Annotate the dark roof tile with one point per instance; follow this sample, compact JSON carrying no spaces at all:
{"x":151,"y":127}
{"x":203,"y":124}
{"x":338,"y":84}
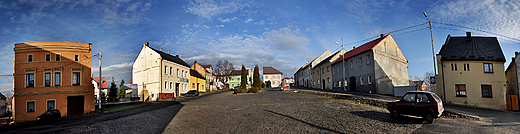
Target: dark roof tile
{"x":476,"y":48}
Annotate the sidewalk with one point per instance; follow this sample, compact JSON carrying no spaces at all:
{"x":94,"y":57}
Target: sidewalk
{"x":496,"y":117}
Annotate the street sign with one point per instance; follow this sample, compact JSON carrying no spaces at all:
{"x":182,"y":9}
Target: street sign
{"x":433,"y":80}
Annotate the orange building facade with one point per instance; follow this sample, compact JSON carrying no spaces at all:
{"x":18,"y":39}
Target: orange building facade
{"x":52,"y":75}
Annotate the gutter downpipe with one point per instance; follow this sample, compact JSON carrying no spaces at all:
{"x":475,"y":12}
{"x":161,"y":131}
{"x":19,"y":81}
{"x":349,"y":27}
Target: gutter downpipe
{"x":443,"y":84}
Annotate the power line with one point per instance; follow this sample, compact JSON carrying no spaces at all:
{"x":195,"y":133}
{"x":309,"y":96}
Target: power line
{"x":510,"y":38}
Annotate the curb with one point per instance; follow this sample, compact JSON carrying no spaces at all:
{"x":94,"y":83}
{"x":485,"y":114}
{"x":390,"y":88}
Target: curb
{"x":379,"y":103}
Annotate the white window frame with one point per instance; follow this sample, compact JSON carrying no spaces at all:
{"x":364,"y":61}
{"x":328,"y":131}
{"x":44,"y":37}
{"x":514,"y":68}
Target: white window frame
{"x":361,"y":80}
{"x":166,"y":85}
{"x":166,"y":70}
{"x":72,"y":78}
{"x":54,"y":80}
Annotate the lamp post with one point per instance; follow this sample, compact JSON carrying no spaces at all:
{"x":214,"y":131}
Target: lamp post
{"x":433,"y":48}
{"x":342,"y":64}
{"x":100,"y":81}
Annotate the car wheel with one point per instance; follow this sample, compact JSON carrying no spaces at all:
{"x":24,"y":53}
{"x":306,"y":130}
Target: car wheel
{"x":394,"y":113}
{"x":429,"y":118}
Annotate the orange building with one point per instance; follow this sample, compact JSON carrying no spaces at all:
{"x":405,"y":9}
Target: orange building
{"x":52,"y":75}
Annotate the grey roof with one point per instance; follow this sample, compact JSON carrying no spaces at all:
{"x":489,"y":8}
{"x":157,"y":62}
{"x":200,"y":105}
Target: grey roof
{"x":471,"y":48}
{"x":196,"y":74}
{"x":270,"y":70}
{"x":172,"y":58}
{"x":2,"y":96}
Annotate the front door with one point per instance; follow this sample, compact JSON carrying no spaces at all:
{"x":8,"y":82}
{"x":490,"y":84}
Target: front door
{"x":352,"y":84}
{"x":198,"y":87}
{"x":75,"y":105}
{"x":176,"y":90}
{"x":322,"y":83}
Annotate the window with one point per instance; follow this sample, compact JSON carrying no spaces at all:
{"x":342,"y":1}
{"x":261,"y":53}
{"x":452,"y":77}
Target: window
{"x":488,"y":67}
{"x":171,"y":85}
{"x":468,"y":66}
{"x":464,"y":66}
{"x":272,"y":76}
{"x":328,"y":80}
{"x":460,"y":90}
{"x":361,"y":80}
{"x":165,"y":84}
{"x":47,"y":79}
{"x":345,"y":83}
{"x":171,"y":70}
{"x":369,"y":79}
{"x":47,"y":57}
{"x":455,"y":66}
{"x":186,"y":74}
{"x":339,"y":83}
{"x":51,"y":104}
{"x":165,"y":69}
{"x":29,"y":80}
{"x":58,"y":57}
{"x":318,"y":81}
{"x":30,"y":106}
{"x":76,"y":57}
{"x":323,"y":70}
{"x":422,"y":98}
{"x":328,"y":69}
{"x":409,"y":97}
{"x":266,"y":77}
{"x":351,"y":64}
{"x":76,"y":78}
{"x":192,"y":85}
{"x":368,"y":59}
{"x":178,"y":73}
{"x":57,"y":78}
{"x":202,"y":87}
{"x":451,"y":66}
{"x":359,"y":60}
{"x":30,"y":58}
{"x":486,"y":91}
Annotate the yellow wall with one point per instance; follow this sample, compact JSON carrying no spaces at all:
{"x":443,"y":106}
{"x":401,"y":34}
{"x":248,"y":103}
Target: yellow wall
{"x":193,"y":84}
{"x":473,"y":79}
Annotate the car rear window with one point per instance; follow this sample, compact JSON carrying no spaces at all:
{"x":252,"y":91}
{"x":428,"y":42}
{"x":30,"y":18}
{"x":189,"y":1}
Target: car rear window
{"x":436,"y":97}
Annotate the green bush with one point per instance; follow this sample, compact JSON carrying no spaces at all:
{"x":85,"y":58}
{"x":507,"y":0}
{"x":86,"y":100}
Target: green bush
{"x":254,"y":90}
{"x":240,"y":90}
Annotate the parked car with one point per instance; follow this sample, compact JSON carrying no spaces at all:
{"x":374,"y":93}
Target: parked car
{"x":418,"y":103}
{"x":49,"y":115}
{"x":192,"y":93}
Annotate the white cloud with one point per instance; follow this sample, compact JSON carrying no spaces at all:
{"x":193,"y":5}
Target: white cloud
{"x":5,"y":89}
{"x":490,"y":15}
{"x":245,"y":31}
{"x":227,"y":19}
{"x":219,"y":26}
{"x":118,"y":71}
{"x":217,"y":33}
{"x":209,"y":9}
{"x":248,"y":20}
{"x":260,"y":23}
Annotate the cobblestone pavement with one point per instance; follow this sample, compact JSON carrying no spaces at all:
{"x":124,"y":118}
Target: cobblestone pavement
{"x":272,"y":111}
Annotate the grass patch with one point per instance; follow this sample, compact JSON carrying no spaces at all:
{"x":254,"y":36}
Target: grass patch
{"x":121,"y":108}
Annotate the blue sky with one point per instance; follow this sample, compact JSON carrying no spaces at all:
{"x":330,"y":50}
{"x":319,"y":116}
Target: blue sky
{"x":277,"y":33}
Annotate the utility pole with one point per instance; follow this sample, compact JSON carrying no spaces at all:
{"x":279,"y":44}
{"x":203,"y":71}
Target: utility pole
{"x":343,"y":64}
{"x":433,"y":51}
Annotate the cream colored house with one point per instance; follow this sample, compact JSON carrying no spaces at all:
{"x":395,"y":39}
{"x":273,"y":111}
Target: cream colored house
{"x":471,"y":72}
{"x":323,"y":71}
{"x":159,"y":75}
{"x":272,"y":75}
{"x":315,"y":73}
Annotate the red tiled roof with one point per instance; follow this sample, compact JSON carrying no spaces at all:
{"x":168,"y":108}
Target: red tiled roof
{"x":131,"y":81}
{"x":104,"y":85}
{"x":271,"y":70}
{"x":207,"y":66}
{"x":360,"y":49}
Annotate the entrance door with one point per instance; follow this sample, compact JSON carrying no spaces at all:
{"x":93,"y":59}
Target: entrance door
{"x":75,"y":105}
{"x":352,"y":84}
{"x":177,"y":93}
{"x":198,"y":87}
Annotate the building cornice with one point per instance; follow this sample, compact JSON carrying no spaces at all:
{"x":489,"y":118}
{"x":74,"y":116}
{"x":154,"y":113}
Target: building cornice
{"x":50,"y":47}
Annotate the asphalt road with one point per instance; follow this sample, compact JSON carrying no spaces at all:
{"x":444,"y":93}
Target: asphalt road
{"x":269,"y":111}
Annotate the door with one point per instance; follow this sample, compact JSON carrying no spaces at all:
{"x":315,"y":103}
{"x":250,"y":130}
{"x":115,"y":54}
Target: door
{"x":422,"y":104}
{"x":352,"y":84}
{"x":407,"y":103}
{"x":177,"y":93}
{"x":198,"y":87}
{"x":75,"y":105}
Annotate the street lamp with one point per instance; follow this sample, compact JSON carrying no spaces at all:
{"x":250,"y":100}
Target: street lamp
{"x":433,"y":48}
{"x":342,"y":63}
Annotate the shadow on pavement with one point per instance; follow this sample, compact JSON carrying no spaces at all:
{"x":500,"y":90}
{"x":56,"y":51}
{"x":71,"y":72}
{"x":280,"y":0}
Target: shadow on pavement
{"x":386,"y":117}
{"x":296,"y":119}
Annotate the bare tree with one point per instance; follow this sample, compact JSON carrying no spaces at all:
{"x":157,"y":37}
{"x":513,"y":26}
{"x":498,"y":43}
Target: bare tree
{"x":426,"y":79}
{"x":223,"y":69}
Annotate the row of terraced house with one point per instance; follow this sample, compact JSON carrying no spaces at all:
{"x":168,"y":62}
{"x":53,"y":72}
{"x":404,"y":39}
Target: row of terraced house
{"x":470,"y":71}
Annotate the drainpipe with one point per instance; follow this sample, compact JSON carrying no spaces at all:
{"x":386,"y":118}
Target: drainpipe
{"x":443,"y":84}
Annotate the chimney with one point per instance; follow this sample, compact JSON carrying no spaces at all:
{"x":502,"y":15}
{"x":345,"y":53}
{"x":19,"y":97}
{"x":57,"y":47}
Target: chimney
{"x":353,"y":47}
{"x":468,"y":36}
{"x":516,"y":53}
{"x":168,"y":51}
{"x":145,"y":44}
{"x":177,"y":56}
{"x":382,"y":35}
{"x":161,"y":49}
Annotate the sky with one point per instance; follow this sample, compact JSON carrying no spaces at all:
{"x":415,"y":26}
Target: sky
{"x":283,"y":34}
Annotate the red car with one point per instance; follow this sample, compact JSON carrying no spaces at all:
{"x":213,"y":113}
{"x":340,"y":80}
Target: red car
{"x":418,"y":103}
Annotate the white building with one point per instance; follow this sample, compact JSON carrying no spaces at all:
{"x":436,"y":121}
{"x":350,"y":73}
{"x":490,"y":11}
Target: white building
{"x":272,"y":75}
{"x":3,"y":105}
{"x":159,"y":75}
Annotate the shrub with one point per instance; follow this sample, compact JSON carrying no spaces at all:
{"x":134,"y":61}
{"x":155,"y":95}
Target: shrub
{"x":240,"y":90}
{"x":254,"y":90}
